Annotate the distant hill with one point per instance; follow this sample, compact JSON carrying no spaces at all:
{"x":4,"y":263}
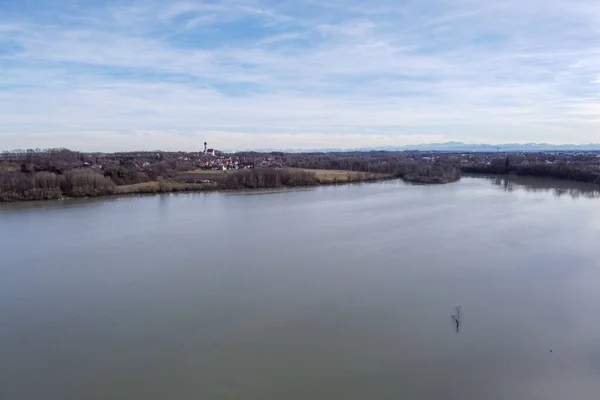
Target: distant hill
{"x":458,"y":147}
{"x":525,"y":147}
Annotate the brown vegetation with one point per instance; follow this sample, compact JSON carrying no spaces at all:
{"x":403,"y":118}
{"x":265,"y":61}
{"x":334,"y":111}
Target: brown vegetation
{"x":380,"y":163}
{"x":435,"y":173}
{"x":54,"y":173}
{"x":45,"y":185}
{"x":164,"y":187}
{"x":267,"y":178}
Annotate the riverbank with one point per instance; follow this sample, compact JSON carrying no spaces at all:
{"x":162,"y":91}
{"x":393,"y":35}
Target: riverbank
{"x":164,"y":187}
{"x":210,"y":181}
{"x":207,"y":180}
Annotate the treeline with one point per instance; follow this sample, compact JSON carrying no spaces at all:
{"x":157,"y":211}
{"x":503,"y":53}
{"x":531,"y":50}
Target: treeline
{"x":122,"y":168}
{"x":376,"y":162}
{"x":431,"y":173}
{"x":17,"y":185}
{"x":579,"y":173}
{"x":379,"y":162}
{"x":267,"y":178}
{"x":55,"y":173}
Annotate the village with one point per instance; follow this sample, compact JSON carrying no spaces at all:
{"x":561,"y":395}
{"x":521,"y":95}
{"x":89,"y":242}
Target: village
{"x":213,"y":159}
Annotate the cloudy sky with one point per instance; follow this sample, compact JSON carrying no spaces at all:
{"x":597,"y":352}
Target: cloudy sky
{"x":241,"y":74}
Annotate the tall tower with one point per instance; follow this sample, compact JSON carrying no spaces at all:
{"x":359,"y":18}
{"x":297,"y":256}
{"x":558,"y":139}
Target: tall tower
{"x":205,"y":148}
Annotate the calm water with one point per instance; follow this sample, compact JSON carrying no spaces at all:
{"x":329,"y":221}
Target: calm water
{"x":330,"y":293}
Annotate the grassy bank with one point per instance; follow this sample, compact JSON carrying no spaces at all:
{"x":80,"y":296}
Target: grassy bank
{"x":203,"y":180}
{"x":164,"y":187}
{"x":322,"y":176}
{"x":329,"y":177}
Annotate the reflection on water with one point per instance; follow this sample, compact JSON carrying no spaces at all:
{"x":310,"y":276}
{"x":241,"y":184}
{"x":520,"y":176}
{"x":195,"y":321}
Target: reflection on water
{"x":558,"y":188}
{"x":456,"y":318}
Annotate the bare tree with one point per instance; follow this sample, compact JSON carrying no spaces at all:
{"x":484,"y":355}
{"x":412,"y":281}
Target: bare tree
{"x":456,"y":317}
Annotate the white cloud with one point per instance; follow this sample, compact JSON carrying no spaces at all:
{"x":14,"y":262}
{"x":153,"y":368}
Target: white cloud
{"x":176,"y":9}
{"x":303,"y":76}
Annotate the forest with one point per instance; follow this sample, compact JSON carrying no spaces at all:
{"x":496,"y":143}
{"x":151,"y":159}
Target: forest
{"x":267,"y":178}
{"x":56,"y":173}
{"x":397,"y":165}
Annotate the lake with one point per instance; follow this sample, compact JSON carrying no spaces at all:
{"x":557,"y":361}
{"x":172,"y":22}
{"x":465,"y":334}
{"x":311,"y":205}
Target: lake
{"x":341,"y":292}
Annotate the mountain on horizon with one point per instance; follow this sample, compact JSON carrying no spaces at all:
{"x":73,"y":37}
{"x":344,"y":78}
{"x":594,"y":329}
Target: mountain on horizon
{"x":456,"y":147}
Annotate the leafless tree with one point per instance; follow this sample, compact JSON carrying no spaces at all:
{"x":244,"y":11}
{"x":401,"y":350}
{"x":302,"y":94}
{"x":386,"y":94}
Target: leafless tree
{"x":456,"y":317}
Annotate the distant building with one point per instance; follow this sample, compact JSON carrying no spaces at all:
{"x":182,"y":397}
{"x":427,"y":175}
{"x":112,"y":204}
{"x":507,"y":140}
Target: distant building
{"x":209,"y":152}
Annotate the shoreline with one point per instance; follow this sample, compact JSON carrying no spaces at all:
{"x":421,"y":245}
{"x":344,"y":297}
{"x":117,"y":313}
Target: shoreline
{"x":176,"y":187}
{"x":190,"y":188}
{"x":60,"y":173}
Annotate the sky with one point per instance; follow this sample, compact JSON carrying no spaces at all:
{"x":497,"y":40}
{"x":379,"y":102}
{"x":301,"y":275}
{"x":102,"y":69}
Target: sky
{"x":123,"y":75}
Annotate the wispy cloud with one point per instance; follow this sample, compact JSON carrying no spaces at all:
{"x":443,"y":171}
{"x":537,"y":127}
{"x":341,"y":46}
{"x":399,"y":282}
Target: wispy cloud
{"x":255,"y":73}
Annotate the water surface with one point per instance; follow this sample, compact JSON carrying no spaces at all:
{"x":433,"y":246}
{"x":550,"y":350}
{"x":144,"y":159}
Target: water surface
{"x":339,"y":292}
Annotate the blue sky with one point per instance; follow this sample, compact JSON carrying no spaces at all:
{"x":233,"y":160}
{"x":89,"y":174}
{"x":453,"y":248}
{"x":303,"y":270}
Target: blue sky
{"x":242,"y":74}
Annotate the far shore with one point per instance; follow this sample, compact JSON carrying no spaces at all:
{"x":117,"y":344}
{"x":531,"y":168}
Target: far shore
{"x":196,"y":181}
{"x":208,"y":180}
{"x":61,"y":173}
{"x":325,"y":178}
